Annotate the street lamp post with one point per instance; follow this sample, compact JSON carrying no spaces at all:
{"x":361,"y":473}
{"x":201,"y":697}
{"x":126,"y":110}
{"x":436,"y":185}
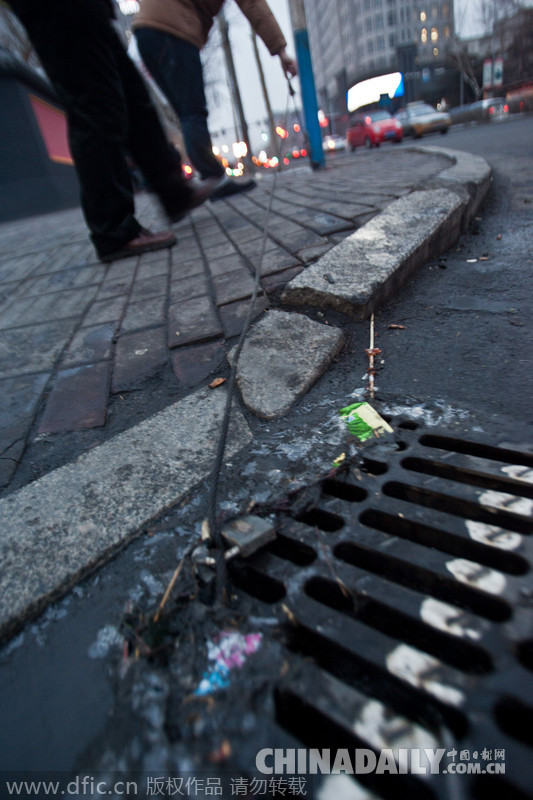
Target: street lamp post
{"x":307,"y":81}
{"x":236,"y":95}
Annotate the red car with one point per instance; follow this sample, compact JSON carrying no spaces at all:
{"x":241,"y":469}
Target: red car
{"x":372,"y":128}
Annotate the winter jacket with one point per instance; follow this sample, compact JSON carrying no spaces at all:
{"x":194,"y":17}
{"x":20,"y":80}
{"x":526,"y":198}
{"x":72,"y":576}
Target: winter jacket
{"x":191,"y":20}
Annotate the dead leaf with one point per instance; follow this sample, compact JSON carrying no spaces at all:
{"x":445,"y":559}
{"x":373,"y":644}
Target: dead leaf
{"x":217,"y":382}
{"x":222,"y":754}
{"x":289,"y":614}
{"x":338,"y":461}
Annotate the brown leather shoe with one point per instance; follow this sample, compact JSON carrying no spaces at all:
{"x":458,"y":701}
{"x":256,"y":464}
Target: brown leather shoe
{"x":200,"y":192}
{"x":145,"y":242}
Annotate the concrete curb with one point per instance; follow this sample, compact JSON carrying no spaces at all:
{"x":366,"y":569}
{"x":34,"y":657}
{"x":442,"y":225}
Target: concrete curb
{"x":362,"y":272}
{"x":468,"y":174}
{"x":57,"y":529}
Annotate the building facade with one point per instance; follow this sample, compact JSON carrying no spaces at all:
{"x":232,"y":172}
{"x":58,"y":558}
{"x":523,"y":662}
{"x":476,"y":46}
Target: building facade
{"x":352,"y":40}
{"x":37,"y":173}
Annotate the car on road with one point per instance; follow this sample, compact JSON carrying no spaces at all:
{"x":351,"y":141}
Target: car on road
{"x":371,"y":128}
{"x":333,"y":142}
{"x":420,"y":118}
{"x":489,"y":109}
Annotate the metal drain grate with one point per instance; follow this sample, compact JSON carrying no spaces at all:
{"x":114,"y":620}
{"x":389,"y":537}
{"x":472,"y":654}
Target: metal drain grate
{"x":408,"y":580}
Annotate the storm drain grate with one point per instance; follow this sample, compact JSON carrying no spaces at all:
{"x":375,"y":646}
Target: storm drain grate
{"x":407,"y":580}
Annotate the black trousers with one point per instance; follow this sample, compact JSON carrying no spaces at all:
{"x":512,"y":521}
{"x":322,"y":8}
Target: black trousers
{"x":110,"y":115}
{"x":176,"y":67}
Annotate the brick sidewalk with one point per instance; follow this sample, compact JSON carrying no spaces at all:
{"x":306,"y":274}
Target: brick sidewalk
{"x":73,"y":332}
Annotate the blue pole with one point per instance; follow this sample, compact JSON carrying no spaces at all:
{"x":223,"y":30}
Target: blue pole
{"x":307,"y":83}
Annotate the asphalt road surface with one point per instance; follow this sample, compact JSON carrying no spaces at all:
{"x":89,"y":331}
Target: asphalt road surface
{"x":468,"y":337}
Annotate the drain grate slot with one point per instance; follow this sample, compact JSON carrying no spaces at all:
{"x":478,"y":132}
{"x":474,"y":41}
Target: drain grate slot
{"x":524,"y":652}
{"x":292,"y":550}
{"x":470,"y":476}
{"x":467,"y":509}
{"x":486,"y":787}
{"x":515,"y":718}
{"x":321,"y":519}
{"x":476,"y":449}
{"x":257,"y":584}
{"x":373,"y":466}
{"x":357,"y":671}
{"x":344,"y":490}
{"x":423,"y":580}
{"x":381,"y":617}
{"x":317,"y":729}
{"x":444,"y":541}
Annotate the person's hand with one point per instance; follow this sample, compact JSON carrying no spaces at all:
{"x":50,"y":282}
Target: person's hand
{"x":288,"y":64}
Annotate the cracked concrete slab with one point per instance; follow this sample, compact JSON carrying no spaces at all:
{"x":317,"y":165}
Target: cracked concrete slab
{"x":366,"y":268}
{"x":282,"y":357}
{"x":64,"y":524}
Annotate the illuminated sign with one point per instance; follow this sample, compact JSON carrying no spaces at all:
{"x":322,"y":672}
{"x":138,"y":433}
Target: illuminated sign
{"x":128,"y":6}
{"x":370,"y":91}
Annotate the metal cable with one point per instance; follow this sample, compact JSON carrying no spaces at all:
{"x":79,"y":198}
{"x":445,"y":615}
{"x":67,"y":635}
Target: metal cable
{"x":212,"y":521}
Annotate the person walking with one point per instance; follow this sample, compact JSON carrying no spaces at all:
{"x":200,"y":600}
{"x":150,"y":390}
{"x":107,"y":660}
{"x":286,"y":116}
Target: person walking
{"x":110,"y":115}
{"x":170,"y":35}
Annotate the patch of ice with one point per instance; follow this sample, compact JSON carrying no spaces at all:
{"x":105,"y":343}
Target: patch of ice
{"x":106,"y":638}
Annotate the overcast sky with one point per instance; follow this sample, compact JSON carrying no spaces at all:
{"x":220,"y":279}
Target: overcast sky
{"x":467,"y":20}
{"x":247,"y":74}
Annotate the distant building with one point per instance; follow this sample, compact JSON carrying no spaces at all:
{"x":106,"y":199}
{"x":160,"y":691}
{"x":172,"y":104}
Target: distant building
{"x":352,"y":40}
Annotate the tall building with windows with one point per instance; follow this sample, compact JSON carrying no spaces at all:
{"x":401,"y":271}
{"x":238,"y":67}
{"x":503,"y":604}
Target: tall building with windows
{"x":356,"y":39}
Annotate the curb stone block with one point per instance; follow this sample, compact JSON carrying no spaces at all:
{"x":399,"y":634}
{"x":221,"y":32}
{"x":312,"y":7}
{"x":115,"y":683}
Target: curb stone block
{"x":466,"y":171}
{"x":369,"y":265}
{"x":282,"y":357}
{"x":86,"y":510}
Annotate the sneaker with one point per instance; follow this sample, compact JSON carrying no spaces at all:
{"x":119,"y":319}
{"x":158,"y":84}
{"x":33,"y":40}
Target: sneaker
{"x":227,"y":187}
{"x":145,"y":242}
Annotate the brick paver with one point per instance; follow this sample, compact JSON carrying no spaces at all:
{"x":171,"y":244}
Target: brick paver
{"x":78,"y":399}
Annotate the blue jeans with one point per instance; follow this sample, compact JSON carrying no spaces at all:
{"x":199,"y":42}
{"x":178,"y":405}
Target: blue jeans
{"x":176,"y":67}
